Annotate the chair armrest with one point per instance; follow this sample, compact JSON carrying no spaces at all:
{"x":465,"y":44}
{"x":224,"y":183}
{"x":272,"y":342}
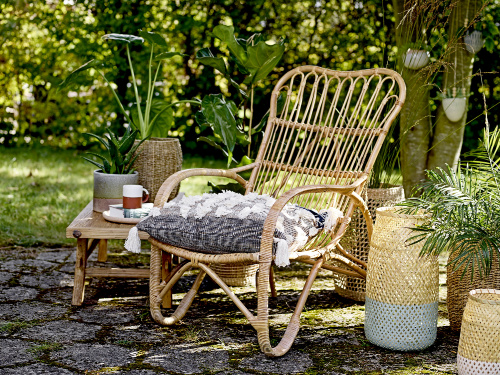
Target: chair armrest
{"x":175,"y":179}
{"x":266,"y":246}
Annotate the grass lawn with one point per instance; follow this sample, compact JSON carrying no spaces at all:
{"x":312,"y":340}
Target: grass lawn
{"x":42,"y":190}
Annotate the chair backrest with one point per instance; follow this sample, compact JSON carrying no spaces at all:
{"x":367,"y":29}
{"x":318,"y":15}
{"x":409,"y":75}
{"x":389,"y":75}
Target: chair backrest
{"x":325,"y":127}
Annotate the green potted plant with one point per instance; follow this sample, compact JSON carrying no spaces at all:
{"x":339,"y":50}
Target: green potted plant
{"x":151,"y":116}
{"x":465,"y":221}
{"x":115,"y":168}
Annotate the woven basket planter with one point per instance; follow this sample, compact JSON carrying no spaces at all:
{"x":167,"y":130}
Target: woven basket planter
{"x":158,"y":159}
{"x":402,"y":288}
{"x":479,"y":346}
{"x":236,"y":274}
{"x":459,"y":288}
{"x":356,"y":240}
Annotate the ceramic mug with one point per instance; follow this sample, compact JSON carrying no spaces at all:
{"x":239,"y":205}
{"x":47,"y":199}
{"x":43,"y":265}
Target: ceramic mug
{"x":134,"y":196}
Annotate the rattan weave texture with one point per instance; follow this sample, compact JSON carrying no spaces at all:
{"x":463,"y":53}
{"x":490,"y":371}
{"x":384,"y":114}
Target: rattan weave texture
{"x":158,"y":159}
{"x":402,"y":288}
{"x":479,"y":346}
{"x":356,"y":239}
{"x":459,"y":288}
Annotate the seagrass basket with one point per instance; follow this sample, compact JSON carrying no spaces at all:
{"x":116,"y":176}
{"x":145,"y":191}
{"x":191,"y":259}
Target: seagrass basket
{"x":402,"y":288}
{"x":479,"y":346}
{"x":459,"y":288}
{"x":236,"y":274}
{"x":158,"y":159}
{"x":356,"y":239}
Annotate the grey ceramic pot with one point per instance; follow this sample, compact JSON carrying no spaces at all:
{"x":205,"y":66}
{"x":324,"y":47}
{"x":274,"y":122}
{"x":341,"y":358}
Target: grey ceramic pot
{"x":108,"y":188}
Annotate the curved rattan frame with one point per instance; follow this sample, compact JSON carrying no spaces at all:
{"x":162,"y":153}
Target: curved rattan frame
{"x":346,"y":176}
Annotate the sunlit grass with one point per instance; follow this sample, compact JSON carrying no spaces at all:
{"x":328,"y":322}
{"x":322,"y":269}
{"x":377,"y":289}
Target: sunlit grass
{"x":42,"y":190}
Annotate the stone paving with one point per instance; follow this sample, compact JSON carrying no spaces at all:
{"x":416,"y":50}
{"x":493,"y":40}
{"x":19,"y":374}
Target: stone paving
{"x":112,"y":332}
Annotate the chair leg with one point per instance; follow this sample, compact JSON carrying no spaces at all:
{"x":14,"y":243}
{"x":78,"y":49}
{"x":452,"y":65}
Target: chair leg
{"x":262,"y":323}
{"x":274,"y":294}
{"x":158,"y":289}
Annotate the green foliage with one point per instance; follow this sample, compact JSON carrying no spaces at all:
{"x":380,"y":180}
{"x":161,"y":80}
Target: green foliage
{"x":155,"y":117}
{"x":120,"y":153}
{"x":254,"y":58}
{"x":465,"y":208}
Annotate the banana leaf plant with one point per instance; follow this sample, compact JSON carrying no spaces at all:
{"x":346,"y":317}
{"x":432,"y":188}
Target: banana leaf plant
{"x":253,"y":58}
{"x":151,"y":116}
{"x":120,"y":153}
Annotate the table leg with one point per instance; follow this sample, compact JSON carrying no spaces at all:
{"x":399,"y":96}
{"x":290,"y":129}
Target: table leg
{"x":102,"y":254}
{"x":166,"y":268}
{"x":80,"y":264}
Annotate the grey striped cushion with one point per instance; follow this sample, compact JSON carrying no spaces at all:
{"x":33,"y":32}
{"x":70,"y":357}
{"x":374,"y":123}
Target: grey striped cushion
{"x":228,"y":223}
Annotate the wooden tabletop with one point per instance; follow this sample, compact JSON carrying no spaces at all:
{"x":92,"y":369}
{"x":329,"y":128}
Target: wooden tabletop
{"x":91,"y":224}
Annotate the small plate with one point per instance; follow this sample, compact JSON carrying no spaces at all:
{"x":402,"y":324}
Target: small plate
{"x":121,"y":220}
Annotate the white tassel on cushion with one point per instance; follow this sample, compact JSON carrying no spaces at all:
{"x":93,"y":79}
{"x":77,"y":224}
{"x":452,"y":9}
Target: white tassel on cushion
{"x":133,"y":242}
{"x":155,"y":211}
{"x":282,"y":258}
{"x":332,"y":218}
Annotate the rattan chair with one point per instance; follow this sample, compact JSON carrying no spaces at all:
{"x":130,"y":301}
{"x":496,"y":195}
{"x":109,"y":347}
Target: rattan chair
{"x":317,"y":152}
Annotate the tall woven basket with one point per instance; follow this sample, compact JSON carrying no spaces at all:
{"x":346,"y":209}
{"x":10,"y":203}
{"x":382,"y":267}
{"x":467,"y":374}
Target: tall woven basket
{"x":158,"y":159}
{"x":356,"y":240}
{"x":402,"y":288}
{"x":459,"y":288}
{"x":479,"y":346}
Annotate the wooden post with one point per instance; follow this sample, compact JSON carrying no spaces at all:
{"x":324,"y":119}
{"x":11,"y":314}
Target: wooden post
{"x":166,"y":268}
{"x":272,"y":283}
{"x":80,"y":264}
{"x":102,"y":254}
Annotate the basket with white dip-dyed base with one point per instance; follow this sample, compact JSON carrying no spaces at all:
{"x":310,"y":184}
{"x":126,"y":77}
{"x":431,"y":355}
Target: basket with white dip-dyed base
{"x":402,"y":288}
{"x":479,"y":347}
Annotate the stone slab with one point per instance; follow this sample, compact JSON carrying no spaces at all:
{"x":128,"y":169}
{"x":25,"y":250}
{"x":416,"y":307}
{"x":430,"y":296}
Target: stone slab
{"x":189,"y":360}
{"x":291,"y":363}
{"x":5,"y":277}
{"x":136,"y":333}
{"x":87,"y":357}
{"x":108,"y":315}
{"x":27,"y":311}
{"x":13,"y":352}
{"x":58,"y":256}
{"x":61,"y":331}
{"x":26,"y":265}
{"x":54,"y":279}
{"x":36,"y":369}
{"x":17,"y":293}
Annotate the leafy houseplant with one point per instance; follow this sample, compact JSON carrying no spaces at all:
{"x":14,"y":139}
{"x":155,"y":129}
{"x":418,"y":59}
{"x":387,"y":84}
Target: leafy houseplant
{"x":465,"y":208}
{"x":151,"y":116}
{"x":115,"y":168}
{"x":253,"y":58}
{"x":121,"y":153}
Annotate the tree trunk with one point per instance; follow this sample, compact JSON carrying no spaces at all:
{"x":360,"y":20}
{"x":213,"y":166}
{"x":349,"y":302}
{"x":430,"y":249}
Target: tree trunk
{"x":448,"y":135}
{"x":415,"y":119}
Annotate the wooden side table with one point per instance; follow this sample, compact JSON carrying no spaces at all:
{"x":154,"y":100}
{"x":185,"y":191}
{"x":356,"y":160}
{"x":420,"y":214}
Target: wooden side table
{"x":91,"y":231}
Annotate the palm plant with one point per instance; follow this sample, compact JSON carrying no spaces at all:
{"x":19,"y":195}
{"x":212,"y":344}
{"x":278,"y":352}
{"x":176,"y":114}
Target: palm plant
{"x":465,"y":208}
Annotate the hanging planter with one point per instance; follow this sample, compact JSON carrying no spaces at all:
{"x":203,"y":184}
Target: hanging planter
{"x":415,"y":59}
{"x":473,"y":42}
{"x":454,"y":108}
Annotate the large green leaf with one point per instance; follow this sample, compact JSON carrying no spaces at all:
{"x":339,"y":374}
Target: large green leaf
{"x":95,"y":63}
{"x":219,"y":114}
{"x":226,"y":34}
{"x":153,"y":38}
{"x":162,"y":116}
{"x":123,"y":38}
{"x":207,"y":58}
{"x":262,"y":58}
{"x":167,"y":55}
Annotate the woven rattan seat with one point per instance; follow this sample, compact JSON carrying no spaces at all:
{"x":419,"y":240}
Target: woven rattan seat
{"x":317,"y":153}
